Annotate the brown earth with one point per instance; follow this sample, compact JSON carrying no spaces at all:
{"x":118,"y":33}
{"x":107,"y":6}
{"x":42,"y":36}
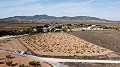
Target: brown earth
{"x":77,"y":64}
{"x":63,"y":44}
{"x":12,"y":44}
{"x":17,"y":60}
{"x":18,"y":26}
{"x":21,"y":26}
{"x":56,"y":44}
{"x":107,"y":39}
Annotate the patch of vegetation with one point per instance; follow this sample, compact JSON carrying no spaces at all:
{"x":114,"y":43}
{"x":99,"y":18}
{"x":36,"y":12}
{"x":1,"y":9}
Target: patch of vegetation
{"x":9,"y":63}
{"x":33,"y":30}
{"x":82,"y":30}
{"x":21,"y":65}
{"x":33,"y":63}
{"x":8,"y":56}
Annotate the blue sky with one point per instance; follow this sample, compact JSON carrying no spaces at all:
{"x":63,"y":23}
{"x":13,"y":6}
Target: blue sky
{"x":108,"y":9}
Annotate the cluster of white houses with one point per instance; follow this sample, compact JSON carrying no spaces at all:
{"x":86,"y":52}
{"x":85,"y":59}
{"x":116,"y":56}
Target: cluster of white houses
{"x":93,"y":27}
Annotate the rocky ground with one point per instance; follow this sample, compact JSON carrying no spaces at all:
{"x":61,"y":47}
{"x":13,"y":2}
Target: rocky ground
{"x":18,"y":60}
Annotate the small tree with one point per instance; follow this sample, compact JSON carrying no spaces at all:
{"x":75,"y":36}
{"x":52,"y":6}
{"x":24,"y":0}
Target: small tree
{"x":33,"y":63}
{"x":30,"y":30}
{"x":8,"y":56}
{"x":9,"y":63}
{"x":52,"y":29}
{"x":21,"y":65}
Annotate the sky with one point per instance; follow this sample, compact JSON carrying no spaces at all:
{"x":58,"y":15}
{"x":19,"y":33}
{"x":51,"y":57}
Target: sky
{"x":105,"y":9}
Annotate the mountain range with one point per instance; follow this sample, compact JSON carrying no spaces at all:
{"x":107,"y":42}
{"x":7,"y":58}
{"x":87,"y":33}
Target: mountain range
{"x":46,"y":17}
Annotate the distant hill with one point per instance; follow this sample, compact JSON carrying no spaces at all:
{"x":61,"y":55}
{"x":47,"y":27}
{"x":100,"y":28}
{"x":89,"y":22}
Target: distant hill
{"x":46,"y":17}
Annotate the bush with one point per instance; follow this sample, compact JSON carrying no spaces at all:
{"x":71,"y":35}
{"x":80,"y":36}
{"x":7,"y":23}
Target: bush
{"x":82,"y":30}
{"x":8,"y":56}
{"x":9,"y":63}
{"x":33,"y":63}
{"x":1,"y":62}
{"x":21,"y":65}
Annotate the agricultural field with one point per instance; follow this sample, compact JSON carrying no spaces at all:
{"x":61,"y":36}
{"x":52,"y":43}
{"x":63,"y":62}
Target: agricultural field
{"x":73,"y":44}
{"x":18,"y":26}
{"x":63,"y":44}
{"x":12,"y":44}
{"x":11,"y":60}
{"x":108,"y":39}
{"x":107,"y":24}
{"x":21,"y":26}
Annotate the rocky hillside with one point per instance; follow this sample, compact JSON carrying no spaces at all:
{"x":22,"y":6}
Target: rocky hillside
{"x":46,"y":17}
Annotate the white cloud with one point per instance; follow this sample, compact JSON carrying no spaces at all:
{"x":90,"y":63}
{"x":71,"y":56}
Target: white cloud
{"x":70,"y":8}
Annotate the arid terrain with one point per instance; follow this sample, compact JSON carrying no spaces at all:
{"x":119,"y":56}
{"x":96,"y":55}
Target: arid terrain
{"x":21,"y":26}
{"x":55,"y":44}
{"x":107,"y":39}
{"x":78,"y":64}
{"x":18,"y":60}
{"x":12,"y":44}
{"x":62,"y":44}
{"x":17,"y":26}
{"x":59,"y":33}
{"x":86,"y":45}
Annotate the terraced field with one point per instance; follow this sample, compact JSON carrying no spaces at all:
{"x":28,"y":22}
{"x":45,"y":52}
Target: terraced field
{"x":62,"y":44}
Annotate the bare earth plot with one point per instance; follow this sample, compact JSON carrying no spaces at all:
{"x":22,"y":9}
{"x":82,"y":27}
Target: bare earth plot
{"x":63,"y":44}
{"x":106,"y":39}
{"x":12,"y":44}
{"x":77,"y":64}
